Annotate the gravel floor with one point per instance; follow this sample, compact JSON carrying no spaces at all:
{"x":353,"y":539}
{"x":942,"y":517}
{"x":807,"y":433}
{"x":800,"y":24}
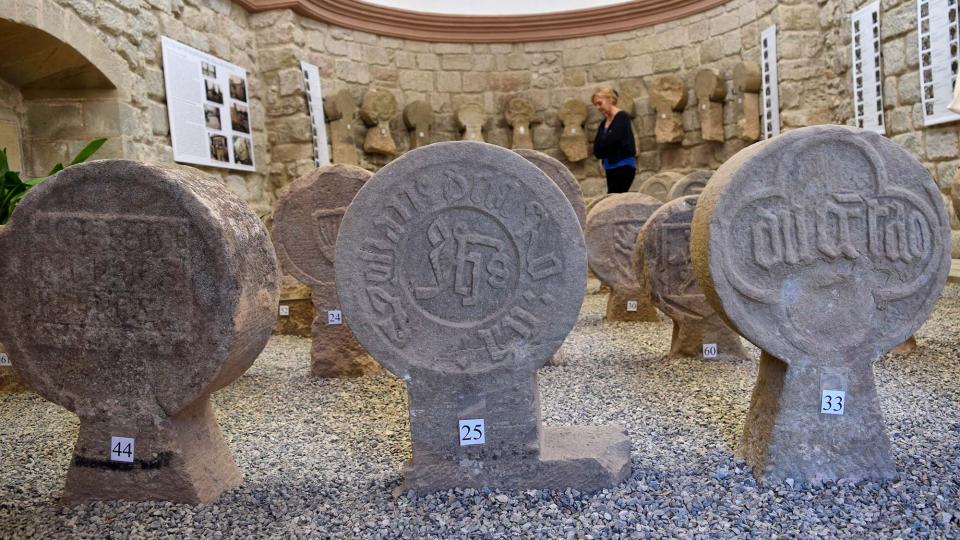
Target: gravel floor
{"x":322,"y":457}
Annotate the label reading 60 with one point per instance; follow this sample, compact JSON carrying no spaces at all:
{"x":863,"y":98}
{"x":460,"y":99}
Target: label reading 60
{"x":710,"y":350}
{"x":832,"y":401}
{"x":472,"y":432}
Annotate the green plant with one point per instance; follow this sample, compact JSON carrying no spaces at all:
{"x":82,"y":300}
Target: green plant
{"x":13,"y":188}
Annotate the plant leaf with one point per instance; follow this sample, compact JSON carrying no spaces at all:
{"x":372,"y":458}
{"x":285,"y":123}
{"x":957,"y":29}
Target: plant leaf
{"x":4,"y":166}
{"x":56,"y":168}
{"x":88,"y":151}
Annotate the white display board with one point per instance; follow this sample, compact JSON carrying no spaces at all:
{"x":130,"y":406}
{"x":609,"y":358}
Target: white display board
{"x":938,"y":44}
{"x":311,"y":87}
{"x":771,"y":86}
{"x":208,"y":106}
{"x":867,"y":80}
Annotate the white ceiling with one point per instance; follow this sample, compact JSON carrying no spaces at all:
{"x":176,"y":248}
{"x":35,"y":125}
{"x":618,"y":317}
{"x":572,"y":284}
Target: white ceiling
{"x":492,"y":7}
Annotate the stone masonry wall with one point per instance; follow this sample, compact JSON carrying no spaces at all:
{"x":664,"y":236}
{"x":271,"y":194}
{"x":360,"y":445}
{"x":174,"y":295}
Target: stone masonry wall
{"x":938,"y":147}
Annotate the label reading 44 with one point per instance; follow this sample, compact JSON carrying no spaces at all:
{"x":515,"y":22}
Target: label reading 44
{"x":472,"y":432}
{"x":334,"y":317}
{"x":832,"y":401}
{"x":121,"y":449}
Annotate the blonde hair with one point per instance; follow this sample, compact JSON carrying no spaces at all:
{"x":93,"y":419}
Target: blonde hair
{"x":606,"y":92}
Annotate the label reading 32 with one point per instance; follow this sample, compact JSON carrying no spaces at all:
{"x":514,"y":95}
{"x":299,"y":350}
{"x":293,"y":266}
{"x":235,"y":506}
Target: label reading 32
{"x":472,"y":432}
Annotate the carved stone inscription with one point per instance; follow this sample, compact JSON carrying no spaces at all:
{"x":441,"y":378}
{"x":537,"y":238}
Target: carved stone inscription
{"x":466,"y":280}
{"x":663,"y":256}
{"x":826,"y":247}
{"x":125,"y":280}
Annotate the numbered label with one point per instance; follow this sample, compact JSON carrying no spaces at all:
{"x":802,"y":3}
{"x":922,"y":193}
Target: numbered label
{"x":284,"y":311}
{"x":121,"y":449}
{"x":709,"y":350}
{"x":833,"y":401}
{"x":631,"y":305}
{"x":334,"y":317}
{"x":472,"y":432}
{"x":4,"y":360}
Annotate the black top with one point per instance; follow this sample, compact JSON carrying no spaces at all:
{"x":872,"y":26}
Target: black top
{"x":616,"y":143}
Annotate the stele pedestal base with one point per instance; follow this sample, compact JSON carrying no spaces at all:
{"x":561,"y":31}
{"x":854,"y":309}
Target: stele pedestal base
{"x":617,"y":306}
{"x":787,"y":436}
{"x":183,"y":459}
{"x":335,"y":352}
{"x":689,"y":338}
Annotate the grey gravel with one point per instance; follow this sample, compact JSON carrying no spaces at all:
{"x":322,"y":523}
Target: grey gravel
{"x":322,"y":457}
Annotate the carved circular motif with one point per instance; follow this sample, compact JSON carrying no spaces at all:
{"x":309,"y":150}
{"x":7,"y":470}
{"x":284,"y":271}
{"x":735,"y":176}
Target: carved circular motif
{"x":826,"y":244}
{"x":140,"y":281}
{"x":611,"y":234}
{"x":460,"y":257}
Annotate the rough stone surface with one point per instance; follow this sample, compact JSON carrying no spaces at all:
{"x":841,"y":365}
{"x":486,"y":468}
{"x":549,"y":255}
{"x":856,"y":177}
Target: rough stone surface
{"x":305,"y":226}
{"x":519,"y":114}
{"x":908,"y":346}
{"x":611,"y":234}
{"x":662,"y":256}
{"x":668,"y":97}
{"x":468,"y":283}
{"x":296,"y":297}
{"x":659,"y":185}
{"x":379,"y":107}
{"x":711,"y":90}
{"x":340,"y":110}
{"x":573,"y":140}
{"x":691,"y":184}
{"x":148,"y":288}
{"x":471,"y":118}
{"x":746,"y":86}
{"x":418,"y":117}
{"x":826,"y":247}
{"x":563,"y":178}
{"x":10,"y":380}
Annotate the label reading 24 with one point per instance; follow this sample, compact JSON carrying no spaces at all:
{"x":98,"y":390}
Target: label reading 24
{"x":334,"y":316}
{"x":832,"y":401}
{"x":121,"y":449}
{"x":4,"y":360}
{"x":472,"y":432}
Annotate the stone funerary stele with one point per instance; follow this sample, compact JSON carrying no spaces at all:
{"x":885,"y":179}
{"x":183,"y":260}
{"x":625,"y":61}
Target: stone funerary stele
{"x":826,"y":247}
{"x":462,"y":268}
{"x":146,"y":289}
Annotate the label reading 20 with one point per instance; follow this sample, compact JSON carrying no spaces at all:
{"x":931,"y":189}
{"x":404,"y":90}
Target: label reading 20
{"x":832,"y":401}
{"x":631,"y":305}
{"x":472,"y":432}
{"x":121,"y":449}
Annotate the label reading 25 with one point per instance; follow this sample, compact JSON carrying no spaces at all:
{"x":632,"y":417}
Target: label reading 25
{"x":472,"y":432}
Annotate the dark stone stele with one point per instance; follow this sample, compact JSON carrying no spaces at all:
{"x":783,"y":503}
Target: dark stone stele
{"x":826,"y":247}
{"x":462,"y":268}
{"x":662,"y":255}
{"x":611,"y":234}
{"x":305,"y":225}
{"x":562,"y":177}
{"x":145,"y":288}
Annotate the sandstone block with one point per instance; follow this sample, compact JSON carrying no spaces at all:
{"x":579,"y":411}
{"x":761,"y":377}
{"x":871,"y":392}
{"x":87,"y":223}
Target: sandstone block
{"x":378,"y":109}
{"x":519,"y":114}
{"x":418,"y":117}
{"x":573,"y":141}
{"x":340,"y":110}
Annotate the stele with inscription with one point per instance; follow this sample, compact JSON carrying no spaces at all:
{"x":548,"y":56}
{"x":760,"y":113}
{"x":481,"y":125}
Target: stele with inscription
{"x":690,"y":184}
{"x":612,"y":228}
{"x":462,"y":269}
{"x":563,"y":178}
{"x":306,"y":221}
{"x":825,"y":247}
{"x":147,"y":288}
{"x":659,"y":185}
{"x":662,"y":255}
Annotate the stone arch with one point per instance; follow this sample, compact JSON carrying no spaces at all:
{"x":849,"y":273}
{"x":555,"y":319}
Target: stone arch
{"x":61,"y":86}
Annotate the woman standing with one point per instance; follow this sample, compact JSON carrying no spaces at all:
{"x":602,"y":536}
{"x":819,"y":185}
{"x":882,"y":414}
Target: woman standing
{"x":614,"y":144}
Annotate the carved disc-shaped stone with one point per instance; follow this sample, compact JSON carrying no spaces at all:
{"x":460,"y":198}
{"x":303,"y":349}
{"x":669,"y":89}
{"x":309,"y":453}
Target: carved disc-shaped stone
{"x":691,"y":184}
{"x":340,"y":105}
{"x":562,"y":177}
{"x":307,"y":219}
{"x":460,"y":258}
{"x":470,"y":118}
{"x":826,"y":244}
{"x":573,"y":112}
{"x":658,"y":186}
{"x":663,"y":252}
{"x":519,"y":111}
{"x":379,"y":106}
{"x":746,"y":77}
{"x":150,"y":286}
{"x":668,"y":94}
{"x":709,"y":86}
{"x":417,"y":114}
{"x":611,"y":233}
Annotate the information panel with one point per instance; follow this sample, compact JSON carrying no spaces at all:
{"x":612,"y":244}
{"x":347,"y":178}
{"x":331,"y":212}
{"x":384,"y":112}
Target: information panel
{"x":311,"y":85}
{"x":208,"y":106}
